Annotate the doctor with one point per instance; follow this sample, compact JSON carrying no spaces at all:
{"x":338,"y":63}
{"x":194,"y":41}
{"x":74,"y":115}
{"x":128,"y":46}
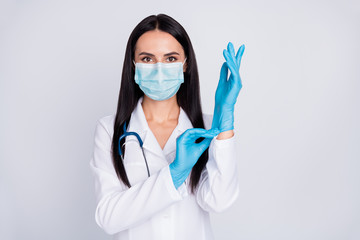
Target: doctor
{"x":166,"y":188}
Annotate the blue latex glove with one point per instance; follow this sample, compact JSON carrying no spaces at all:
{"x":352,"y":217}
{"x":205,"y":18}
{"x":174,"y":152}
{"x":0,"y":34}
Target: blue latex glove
{"x":188,"y":152}
{"x":227,"y":89}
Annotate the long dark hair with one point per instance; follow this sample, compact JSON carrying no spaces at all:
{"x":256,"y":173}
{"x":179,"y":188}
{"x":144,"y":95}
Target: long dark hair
{"x":188,"y":96}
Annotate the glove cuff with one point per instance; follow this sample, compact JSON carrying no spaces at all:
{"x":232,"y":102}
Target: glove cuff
{"x":224,"y":118}
{"x":177,"y":176}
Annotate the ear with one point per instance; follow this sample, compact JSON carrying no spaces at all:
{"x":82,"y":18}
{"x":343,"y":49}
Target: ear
{"x":133,"y":65}
{"x":185,"y":67}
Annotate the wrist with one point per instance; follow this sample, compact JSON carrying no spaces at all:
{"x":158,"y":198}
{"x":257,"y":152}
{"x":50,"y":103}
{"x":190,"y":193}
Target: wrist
{"x":178,"y":176}
{"x":226,"y":121}
{"x":225,"y":135}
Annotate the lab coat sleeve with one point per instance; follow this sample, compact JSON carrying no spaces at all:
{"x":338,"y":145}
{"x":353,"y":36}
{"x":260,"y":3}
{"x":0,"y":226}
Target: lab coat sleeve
{"x":219,"y":183}
{"x":119,"y":207}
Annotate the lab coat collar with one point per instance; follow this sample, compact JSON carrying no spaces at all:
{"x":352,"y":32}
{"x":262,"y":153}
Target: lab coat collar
{"x":139,"y":125}
{"x":184,"y":122}
{"x":138,"y":121}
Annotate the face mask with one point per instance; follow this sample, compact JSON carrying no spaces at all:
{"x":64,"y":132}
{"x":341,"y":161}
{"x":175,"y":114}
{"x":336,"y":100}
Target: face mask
{"x":159,"y":81}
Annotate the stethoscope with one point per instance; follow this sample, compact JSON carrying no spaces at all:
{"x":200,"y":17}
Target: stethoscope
{"x":125,"y":134}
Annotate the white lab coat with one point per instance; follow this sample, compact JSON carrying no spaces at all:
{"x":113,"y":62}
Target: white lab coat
{"x":153,"y":208}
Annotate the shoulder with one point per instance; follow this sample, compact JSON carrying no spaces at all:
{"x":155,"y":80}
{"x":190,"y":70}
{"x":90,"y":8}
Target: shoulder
{"x":106,"y":123}
{"x":207,"y":120}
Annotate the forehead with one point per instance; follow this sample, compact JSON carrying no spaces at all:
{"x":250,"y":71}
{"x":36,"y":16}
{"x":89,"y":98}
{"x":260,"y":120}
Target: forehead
{"x":157,"y":42}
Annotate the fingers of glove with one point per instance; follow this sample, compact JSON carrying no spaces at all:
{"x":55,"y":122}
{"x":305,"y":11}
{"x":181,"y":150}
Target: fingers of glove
{"x":196,"y":133}
{"x":223,"y":73}
{"x":231,"y":50}
{"x":231,"y":62}
{"x":233,"y":70}
{"x":239,"y":54}
{"x":229,"y":59}
{"x":203,"y":145}
{"x":192,"y":134}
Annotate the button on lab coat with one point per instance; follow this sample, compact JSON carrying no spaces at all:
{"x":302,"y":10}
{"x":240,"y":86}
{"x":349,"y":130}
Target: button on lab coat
{"x":153,"y":208}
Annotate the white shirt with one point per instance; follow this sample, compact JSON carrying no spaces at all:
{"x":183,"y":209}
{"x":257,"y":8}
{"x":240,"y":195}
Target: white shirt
{"x":153,"y":208}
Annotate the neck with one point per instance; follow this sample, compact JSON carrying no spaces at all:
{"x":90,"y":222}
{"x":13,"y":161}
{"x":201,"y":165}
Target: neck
{"x":160,"y":111}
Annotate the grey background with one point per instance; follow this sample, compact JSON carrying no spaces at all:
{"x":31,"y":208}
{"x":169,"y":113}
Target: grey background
{"x":296,"y":117}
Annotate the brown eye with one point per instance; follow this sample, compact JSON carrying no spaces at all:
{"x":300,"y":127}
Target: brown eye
{"x":171,"y":59}
{"x":146,"y":59}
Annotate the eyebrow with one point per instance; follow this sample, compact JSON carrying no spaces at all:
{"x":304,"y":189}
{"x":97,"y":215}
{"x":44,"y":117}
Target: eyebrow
{"x":152,"y":55}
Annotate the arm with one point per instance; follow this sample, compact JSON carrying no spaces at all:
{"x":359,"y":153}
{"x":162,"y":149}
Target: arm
{"x":119,"y":207}
{"x":227,"y":90}
{"x":219,"y":183}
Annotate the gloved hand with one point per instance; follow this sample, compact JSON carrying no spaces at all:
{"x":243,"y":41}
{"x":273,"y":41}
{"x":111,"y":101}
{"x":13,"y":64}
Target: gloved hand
{"x":227,"y":89}
{"x":188,"y":152}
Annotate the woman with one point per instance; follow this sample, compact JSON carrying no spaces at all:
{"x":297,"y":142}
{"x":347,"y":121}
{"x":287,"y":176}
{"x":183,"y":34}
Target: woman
{"x":166,"y":188}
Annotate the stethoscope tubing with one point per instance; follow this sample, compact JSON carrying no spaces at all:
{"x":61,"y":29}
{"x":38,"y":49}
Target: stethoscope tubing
{"x":125,"y":134}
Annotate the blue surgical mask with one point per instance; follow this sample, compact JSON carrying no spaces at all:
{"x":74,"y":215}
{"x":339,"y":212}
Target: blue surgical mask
{"x":159,"y":81}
